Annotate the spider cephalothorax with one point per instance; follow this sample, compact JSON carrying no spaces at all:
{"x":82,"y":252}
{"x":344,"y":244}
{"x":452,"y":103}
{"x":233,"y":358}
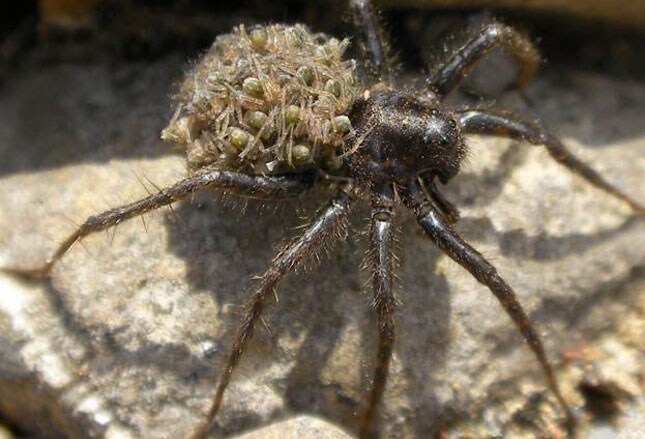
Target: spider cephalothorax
{"x":271,"y":112}
{"x":399,"y":136}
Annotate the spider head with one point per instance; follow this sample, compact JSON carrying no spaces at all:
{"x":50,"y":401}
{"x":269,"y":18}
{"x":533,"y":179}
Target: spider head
{"x":398,"y":136}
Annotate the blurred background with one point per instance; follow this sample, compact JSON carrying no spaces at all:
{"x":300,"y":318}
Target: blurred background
{"x":598,"y":34}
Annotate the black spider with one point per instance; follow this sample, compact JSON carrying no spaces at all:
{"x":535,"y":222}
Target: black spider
{"x":276,"y":132}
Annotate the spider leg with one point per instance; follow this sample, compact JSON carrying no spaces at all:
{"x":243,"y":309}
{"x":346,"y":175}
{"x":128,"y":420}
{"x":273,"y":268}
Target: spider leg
{"x":457,"y":67}
{"x":374,"y":43}
{"x":382,"y":266}
{"x":505,"y":124}
{"x":253,"y":186}
{"x":449,"y":211}
{"x":442,"y":235}
{"x":324,"y":227}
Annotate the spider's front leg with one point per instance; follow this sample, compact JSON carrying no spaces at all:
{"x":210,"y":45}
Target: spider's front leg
{"x":459,"y":64}
{"x":326,"y":226}
{"x":382,"y":271}
{"x":251,"y":186}
{"x":442,"y":235}
{"x":506,"y":124}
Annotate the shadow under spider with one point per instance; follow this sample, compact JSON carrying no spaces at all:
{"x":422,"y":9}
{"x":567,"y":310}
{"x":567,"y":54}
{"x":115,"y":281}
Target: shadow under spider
{"x":224,"y":248}
{"x":571,"y":310}
{"x":542,"y":247}
{"x":318,"y":305}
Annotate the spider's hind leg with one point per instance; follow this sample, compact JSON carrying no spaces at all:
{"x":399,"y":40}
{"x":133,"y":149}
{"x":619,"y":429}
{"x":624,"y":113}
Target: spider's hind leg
{"x":459,"y":64}
{"x":442,"y":235}
{"x":506,"y":124}
{"x":324,"y":227}
{"x":252,"y":186}
{"x":382,"y":266}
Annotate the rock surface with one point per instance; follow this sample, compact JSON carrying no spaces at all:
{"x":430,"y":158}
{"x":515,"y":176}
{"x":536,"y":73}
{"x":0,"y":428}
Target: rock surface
{"x":125,"y":338}
{"x":296,"y":428}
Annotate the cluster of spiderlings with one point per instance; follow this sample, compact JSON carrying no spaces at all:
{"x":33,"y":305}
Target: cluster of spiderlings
{"x":266,"y":100}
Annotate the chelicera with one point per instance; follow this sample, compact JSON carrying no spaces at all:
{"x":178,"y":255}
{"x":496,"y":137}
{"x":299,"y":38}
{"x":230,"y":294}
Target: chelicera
{"x":270,"y":112}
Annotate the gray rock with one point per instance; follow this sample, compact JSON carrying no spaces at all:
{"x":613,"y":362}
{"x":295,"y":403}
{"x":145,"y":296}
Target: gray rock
{"x":296,"y":428}
{"x":126,"y":338}
{"x":634,"y":425}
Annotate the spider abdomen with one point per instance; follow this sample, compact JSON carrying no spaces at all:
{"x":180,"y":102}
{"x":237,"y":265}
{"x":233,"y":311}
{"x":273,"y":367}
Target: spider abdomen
{"x":398,"y":136}
{"x":266,"y":100}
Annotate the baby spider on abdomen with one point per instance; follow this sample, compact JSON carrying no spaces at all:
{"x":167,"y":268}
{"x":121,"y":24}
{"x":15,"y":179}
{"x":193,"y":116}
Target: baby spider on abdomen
{"x":272,"y":111}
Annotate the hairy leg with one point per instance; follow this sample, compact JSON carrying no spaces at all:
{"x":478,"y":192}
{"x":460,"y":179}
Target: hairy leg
{"x":375,"y":47}
{"x":442,"y":235}
{"x":328,"y":223}
{"x":253,"y":186}
{"x":506,"y":124}
{"x":382,"y":267}
{"x":457,"y":67}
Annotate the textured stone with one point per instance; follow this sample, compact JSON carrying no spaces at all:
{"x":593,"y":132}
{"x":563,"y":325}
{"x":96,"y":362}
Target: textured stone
{"x":296,"y":428}
{"x":125,"y":339}
{"x":634,"y":425}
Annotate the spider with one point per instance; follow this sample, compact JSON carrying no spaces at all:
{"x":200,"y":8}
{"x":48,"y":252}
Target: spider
{"x":272,"y":111}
